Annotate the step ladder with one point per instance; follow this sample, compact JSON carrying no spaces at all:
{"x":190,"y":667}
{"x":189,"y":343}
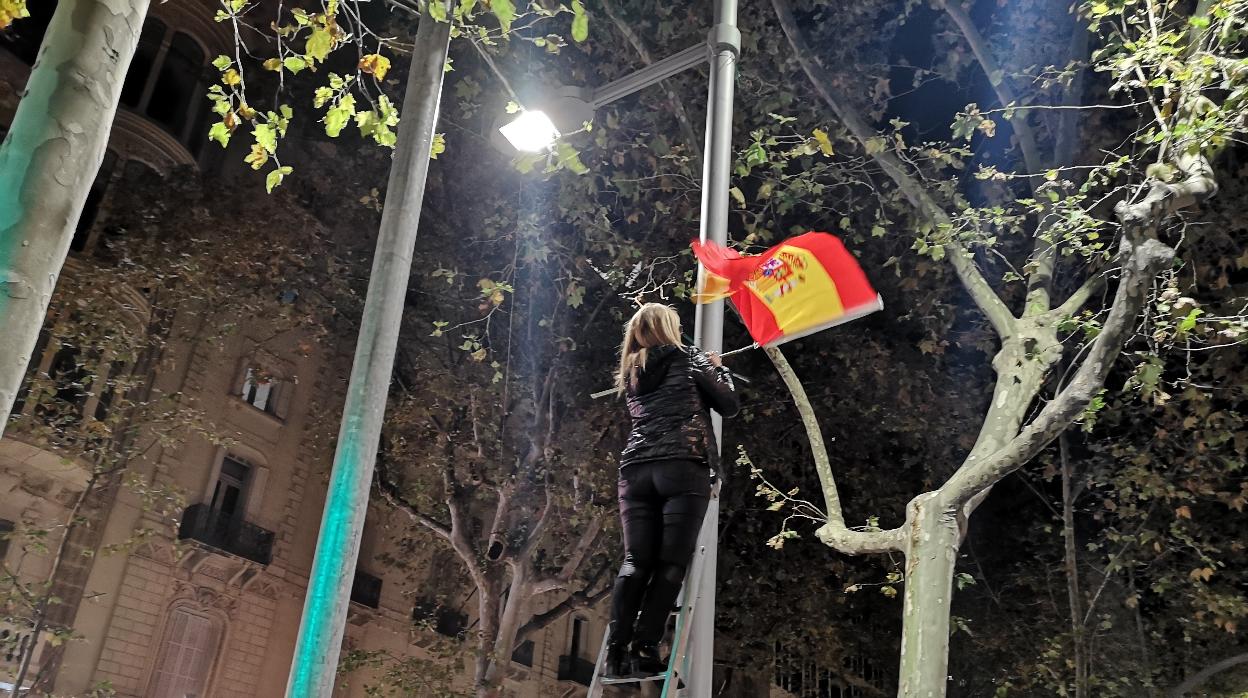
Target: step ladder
{"x":678,"y":664}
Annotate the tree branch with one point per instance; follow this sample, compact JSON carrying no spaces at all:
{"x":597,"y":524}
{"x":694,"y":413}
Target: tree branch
{"x":1027,"y":140}
{"x":1195,"y":680}
{"x":391,"y":493}
{"x":834,"y":533}
{"x":574,"y":602}
{"x":582,"y":548}
{"x":1090,"y":287}
{"x":1144,"y":258}
{"x":963,"y":260}
{"x":673,"y":99}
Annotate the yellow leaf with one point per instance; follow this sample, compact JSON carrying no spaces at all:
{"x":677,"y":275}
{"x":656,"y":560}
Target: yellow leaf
{"x":825,"y":143}
{"x":376,"y":65}
{"x":1183,"y":512}
{"x":231,"y":77}
{"x":257,"y":157}
{"x":273,"y":64}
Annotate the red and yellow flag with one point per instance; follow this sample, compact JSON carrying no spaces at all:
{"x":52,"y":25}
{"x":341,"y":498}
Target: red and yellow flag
{"x":801,"y":286}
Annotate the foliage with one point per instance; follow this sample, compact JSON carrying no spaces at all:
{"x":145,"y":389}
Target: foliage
{"x":11,"y":11}
{"x":351,"y":40}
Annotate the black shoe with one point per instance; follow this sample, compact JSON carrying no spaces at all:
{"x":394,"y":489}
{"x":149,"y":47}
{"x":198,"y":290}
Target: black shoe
{"x":646,"y":661}
{"x":618,"y":665}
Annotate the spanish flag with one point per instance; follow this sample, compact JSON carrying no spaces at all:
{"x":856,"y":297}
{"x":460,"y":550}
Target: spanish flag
{"x":801,"y":286}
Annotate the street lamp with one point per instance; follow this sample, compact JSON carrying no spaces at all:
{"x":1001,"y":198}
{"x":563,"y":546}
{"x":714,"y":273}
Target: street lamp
{"x":555,"y":113}
{"x":531,"y":132}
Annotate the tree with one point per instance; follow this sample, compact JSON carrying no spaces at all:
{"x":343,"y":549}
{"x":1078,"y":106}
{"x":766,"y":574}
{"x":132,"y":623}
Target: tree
{"x":50,"y":158}
{"x":1175,"y":64}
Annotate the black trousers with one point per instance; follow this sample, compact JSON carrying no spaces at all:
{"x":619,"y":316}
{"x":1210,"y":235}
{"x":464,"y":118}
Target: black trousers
{"x":662,"y":504}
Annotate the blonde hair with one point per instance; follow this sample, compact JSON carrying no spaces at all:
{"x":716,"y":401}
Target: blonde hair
{"x":653,"y":325}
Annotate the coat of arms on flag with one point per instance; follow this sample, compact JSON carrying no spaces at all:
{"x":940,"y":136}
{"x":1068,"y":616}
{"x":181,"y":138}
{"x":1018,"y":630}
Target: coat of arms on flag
{"x":803,"y":285}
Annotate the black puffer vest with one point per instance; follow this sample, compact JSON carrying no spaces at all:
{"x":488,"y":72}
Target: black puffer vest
{"x":670,"y":404}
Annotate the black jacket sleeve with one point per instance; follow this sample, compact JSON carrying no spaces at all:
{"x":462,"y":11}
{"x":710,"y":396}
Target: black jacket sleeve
{"x":715,"y":384}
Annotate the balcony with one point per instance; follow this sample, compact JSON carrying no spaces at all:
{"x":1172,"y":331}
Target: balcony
{"x":444,"y":621}
{"x":576,"y":669}
{"x":226,"y":534}
{"x":366,"y":590}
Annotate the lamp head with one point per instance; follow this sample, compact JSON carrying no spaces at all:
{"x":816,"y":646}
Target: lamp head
{"x":531,"y":132}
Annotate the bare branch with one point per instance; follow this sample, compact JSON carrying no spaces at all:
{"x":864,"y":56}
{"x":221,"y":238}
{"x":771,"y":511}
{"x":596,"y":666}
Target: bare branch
{"x":963,"y":261}
{"x":1143,"y":258}
{"x":391,"y":493}
{"x":562,"y":580}
{"x":1090,"y":287}
{"x":673,"y":99}
{"x":834,"y":533}
{"x":1194,"y":681}
{"x":1027,"y":140}
{"x":574,"y":602}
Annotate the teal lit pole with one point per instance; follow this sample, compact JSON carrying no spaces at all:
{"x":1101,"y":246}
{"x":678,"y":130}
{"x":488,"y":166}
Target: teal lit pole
{"x":315,"y":661}
{"x":49,"y":160}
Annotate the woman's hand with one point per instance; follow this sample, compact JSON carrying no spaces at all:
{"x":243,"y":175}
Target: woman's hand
{"x":713,"y":357}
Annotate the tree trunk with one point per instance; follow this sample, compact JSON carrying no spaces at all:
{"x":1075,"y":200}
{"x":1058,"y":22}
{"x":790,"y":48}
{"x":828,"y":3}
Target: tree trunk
{"x":931,"y":556}
{"x":315,"y":661}
{"x":49,"y":161}
{"x":489,"y":613}
{"x":1078,"y":628}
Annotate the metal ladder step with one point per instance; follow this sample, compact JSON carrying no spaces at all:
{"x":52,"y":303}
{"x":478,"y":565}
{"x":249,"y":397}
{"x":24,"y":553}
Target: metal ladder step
{"x":678,"y":664}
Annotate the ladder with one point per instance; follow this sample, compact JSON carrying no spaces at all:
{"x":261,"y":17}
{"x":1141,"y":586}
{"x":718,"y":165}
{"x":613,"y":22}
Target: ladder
{"x":678,"y":664}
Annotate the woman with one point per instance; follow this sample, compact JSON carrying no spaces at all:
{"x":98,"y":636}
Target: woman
{"x":665,"y":478}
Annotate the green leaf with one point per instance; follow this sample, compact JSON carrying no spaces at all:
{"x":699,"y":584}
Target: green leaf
{"x":505,"y":11}
{"x":319,"y":44}
{"x":737,"y":196}
{"x":570,"y":158}
{"x":222,"y":62}
{"x":437,"y":10}
{"x":525,"y":163}
{"x":877,"y":231}
{"x":580,"y":22}
{"x":576,"y":295}
{"x":266,"y":137}
{"x":339,"y":115}
{"x":295,"y":64}
{"x":219,"y":133}
{"x":275,"y":178}
{"x":1189,"y":323}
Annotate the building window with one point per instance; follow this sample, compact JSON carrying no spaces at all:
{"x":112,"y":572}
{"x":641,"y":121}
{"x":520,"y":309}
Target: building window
{"x":523,"y":654}
{"x":186,"y":656}
{"x":177,"y":84}
{"x":228,"y":494}
{"x":260,"y":391}
{"x":91,"y":208}
{"x":145,"y":55}
{"x":6,"y":537}
{"x":577,"y":647}
{"x":166,"y":83}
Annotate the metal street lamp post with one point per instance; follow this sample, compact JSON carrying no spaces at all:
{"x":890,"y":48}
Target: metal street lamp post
{"x":566,"y":112}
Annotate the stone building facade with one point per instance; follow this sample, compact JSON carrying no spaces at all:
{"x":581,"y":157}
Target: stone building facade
{"x":210,"y":604}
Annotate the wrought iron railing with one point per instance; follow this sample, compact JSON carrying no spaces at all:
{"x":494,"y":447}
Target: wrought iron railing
{"x":576,"y":669}
{"x":229,"y":534}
